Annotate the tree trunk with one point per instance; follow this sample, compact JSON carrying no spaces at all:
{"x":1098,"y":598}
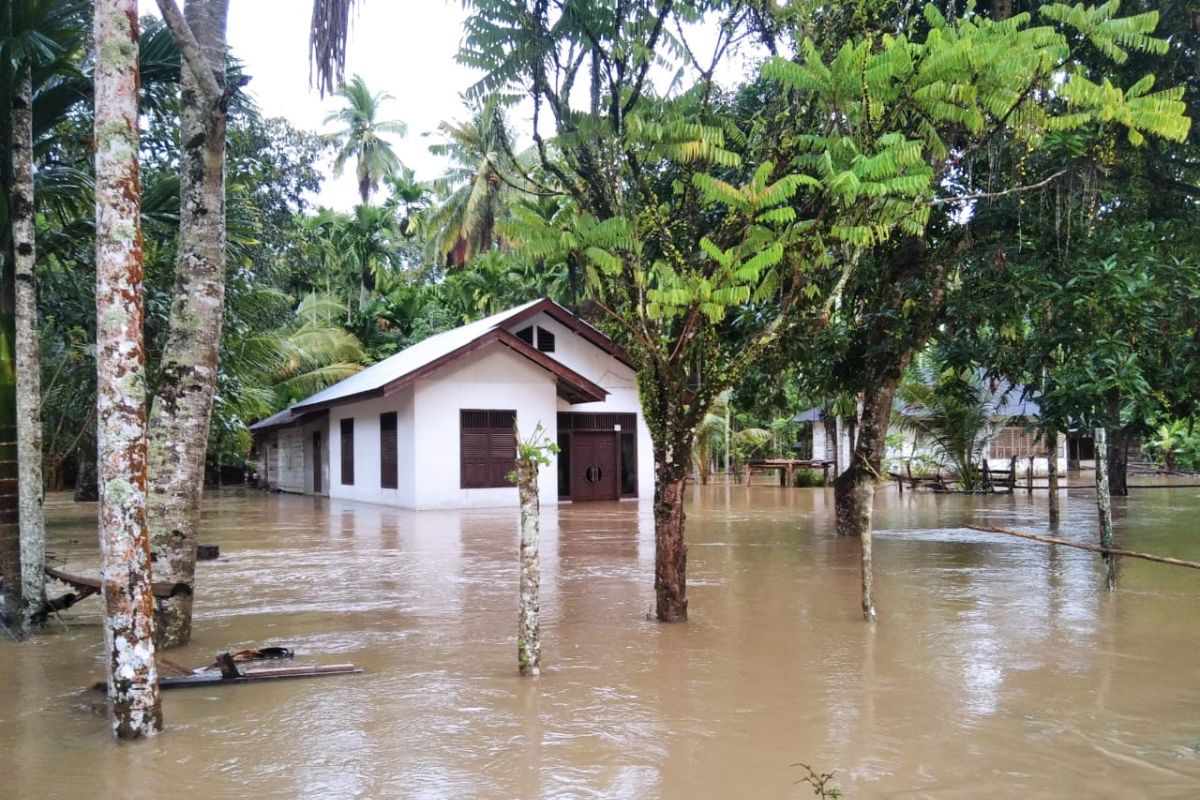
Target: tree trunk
{"x":1104,"y":506}
{"x":529,"y":636}
{"x":187,"y":377}
{"x":121,"y":380}
{"x":86,"y":488}
{"x":854,"y":489}
{"x":29,"y":368}
{"x":670,"y":551}
{"x":1118,"y":462}
{"x":1052,"y":477}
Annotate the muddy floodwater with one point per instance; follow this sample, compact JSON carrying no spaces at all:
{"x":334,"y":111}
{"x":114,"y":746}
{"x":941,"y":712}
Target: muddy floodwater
{"x":998,"y":668}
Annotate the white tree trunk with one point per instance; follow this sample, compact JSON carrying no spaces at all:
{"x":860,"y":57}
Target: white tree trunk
{"x":182,"y":410}
{"x":121,"y":379}
{"x":529,"y":637}
{"x":1104,"y":505}
{"x":29,"y":367}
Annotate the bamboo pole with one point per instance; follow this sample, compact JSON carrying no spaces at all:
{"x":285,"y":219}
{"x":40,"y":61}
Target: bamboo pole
{"x":1092,"y":548}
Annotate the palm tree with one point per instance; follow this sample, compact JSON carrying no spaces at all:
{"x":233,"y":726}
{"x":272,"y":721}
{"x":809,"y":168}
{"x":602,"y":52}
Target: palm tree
{"x":361,"y":137}
{"x":479,"y":188}
{"x":407,"y":199}
{"x":955,"y":414}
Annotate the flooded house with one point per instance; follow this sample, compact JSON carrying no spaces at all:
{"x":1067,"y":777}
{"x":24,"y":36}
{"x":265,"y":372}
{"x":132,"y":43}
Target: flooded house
{"x":433,"y":425}
{"x":1011,"y":407}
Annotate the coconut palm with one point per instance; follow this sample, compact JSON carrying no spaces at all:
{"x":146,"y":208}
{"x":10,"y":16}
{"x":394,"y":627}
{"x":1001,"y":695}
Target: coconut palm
{"x":479,"y":188}
{"x":362,"y":136}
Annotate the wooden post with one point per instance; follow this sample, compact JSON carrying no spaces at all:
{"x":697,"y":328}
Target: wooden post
{"x":532,"y":453}
{"x":1052,"y":476}
{"x":1029,"y":476}
{"x":1104,"y":505}
{"x":1012,"y":474}
{"x":529,"y":637}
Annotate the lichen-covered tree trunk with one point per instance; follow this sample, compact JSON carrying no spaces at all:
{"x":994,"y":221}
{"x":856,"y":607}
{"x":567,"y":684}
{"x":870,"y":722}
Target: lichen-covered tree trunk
{"x":670,"y":550}
{"x":1104,"y":505}
{"x":1117,"y":451}
{"x":121,"y":380}
{"x":529,"y":636}
{"x":29,"y":381}
{"x":1052,"y":478}
{"x":186,"y":382}
{"x":854,"y":489}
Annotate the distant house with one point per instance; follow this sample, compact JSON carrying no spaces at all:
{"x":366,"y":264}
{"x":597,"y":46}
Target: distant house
{"x":830,"y":438}
{"x":432,"y":426}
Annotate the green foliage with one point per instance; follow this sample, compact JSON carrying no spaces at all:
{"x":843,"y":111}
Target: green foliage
{"x":953,"y":413}
{"x":362,"y":136}
{"x":1175,"y":445}
{"x":820,"y":782}
{"x":537,"y":449}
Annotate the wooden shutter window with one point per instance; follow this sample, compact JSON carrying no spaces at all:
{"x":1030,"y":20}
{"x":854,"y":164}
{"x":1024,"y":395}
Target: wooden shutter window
{"x":348,"y":452}
{"x":545,"y":340}
{"x":526,"y":335}
{"x":389,"y":466}
{"x":488,"y":448}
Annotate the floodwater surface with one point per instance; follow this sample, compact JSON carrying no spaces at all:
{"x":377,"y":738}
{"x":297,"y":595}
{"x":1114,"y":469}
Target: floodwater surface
{"x":998,"y":668}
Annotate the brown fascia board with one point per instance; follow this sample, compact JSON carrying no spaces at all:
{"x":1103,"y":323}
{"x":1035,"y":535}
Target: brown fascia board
{"x":341,"y":401}
{"x":574,"y":387}
{"x":302,"y":418}
{"x":574,"y":323}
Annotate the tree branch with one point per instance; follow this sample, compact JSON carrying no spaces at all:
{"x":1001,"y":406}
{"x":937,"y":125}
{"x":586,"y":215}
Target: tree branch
{"x":989,"y":195}
{"x":190,"y":50}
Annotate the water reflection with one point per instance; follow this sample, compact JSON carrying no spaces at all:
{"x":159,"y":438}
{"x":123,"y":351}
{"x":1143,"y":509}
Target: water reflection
{"x":999,"y":667}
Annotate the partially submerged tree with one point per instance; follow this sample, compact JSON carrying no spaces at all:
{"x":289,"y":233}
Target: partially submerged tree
{"x":125,"y":570}
{"x":187,"y":373}
{"x":686,"y":211}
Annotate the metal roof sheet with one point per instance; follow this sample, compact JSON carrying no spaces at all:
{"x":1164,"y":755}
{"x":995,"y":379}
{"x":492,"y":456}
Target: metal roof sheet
{"x":411,"y":359}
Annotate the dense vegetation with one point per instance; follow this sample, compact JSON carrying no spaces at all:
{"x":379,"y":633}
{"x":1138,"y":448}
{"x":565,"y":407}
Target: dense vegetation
{"x":1009,"y":188}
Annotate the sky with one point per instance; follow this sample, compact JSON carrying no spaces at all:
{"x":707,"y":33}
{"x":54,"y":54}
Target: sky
{"x":405,"y":48}
{"x":401,"y":47}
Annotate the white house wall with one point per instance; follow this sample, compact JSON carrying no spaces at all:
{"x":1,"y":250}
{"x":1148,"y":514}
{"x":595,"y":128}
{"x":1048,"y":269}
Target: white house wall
{"x":577,"y":353}
{"x":492,"y":378}
{"x":366,"y":486}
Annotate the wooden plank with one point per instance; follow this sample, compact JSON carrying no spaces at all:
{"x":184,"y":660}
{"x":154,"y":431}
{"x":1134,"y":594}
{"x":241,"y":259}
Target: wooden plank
{"x":250,"y":676}
{"x":162,"y":589}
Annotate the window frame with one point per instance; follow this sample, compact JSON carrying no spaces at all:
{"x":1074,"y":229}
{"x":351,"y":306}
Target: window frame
{"x":389,"y":451}
{"x":346,"y":427}
{"x":497,"y":436}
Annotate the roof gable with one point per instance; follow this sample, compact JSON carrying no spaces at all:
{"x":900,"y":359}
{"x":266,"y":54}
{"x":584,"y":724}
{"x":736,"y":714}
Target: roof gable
{"x":429,"y":355}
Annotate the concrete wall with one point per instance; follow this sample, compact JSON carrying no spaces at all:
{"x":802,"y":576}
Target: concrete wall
{"x":492,"y":378}
{"x":366,"y":451}
{"x":572,"y":350}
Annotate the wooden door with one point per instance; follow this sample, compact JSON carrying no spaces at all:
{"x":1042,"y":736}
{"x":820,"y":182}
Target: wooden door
{"x":316,"y":450}
{"x":594,"y":466}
